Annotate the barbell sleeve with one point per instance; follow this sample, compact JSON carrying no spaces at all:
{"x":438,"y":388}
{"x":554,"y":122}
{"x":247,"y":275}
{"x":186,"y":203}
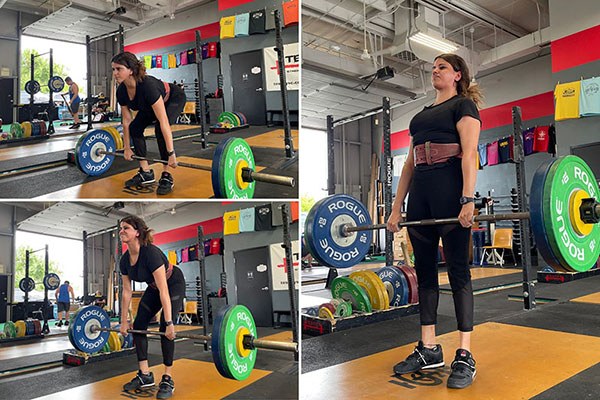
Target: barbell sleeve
{"x":250,"y":343}
{"x":346,"y":230}
{"x":248,"y":174}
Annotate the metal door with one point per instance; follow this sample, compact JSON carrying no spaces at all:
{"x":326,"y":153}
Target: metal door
{"x":248,"y":86}
{"x":252,"y":281}
{"x":7,"y":95}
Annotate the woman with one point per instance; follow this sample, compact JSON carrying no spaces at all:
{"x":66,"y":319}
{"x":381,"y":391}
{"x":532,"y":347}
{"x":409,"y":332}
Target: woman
{"x":144,"y":262}
{"x":74,"y":101}
{"x":156,"y":102}
{"x":440,"y":173}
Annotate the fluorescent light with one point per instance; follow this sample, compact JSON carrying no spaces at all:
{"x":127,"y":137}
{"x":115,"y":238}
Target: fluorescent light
{"x":437,"y":44}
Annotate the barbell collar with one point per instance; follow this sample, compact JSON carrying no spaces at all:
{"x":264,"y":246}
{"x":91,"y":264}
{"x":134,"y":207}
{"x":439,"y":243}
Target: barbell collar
{"x":347,"y":230}
{"x":249,"y":175}
{"x":590,"y":211}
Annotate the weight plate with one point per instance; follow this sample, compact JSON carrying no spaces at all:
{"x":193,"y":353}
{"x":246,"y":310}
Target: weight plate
{"x":51,"y":281}
{"x":241,"y":117}
{"x":10,"y":330}
{"x":116,"y":135}
{"x":15,"y":131}
{"x":566,"y":176}
{"x":80,"y":329}
{"x":413,"y":286}
{"x":312,"y":311}
{"x":32,"y":87}
{"x":374,"y":287}
{"x":330,"y":306}
{"x":27,"y":128}
{"x":44,"y":128}
{"x":88,"y":160}
{"x":26,"y":284}
{"x":548,"y":268}
{"x":230,"y":359}
{"x":56,"y":84}
{"x":37,"y":326}
{"x":105,"y":348}
{"x":21,"y":328}
{"x":536,"y":208}
{"x":228,"y":117}
{"x":345,"y":288}
{"x":323,"y":231}
{"x":230,"y":157}
{"x":343,"y":309}
{"x":395,"y":284}
{"x":77,"y":146}
{"x":326,"y":313}
{"x":113,"y":341}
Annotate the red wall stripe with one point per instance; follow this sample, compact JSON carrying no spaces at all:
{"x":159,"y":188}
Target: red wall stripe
{"x":190,"y":231}
{"x":576,"y":49}
{"x":540,"y":105}
{"x":174,"y":39}
{"x":225,"y":4}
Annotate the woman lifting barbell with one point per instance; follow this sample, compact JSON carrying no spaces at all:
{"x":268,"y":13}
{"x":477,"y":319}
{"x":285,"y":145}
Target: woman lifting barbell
{"x":156,"y":101}
{"x":440,"y":173}
{"x":145,"y":262}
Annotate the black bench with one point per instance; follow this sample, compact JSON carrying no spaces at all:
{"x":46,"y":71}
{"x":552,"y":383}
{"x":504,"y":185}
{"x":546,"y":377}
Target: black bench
{"x":279,"y":121}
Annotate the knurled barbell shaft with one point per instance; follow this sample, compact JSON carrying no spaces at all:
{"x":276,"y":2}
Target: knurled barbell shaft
{"x":253,"y":176}
{"x":258,"y":343}
{"x":480,"y":218}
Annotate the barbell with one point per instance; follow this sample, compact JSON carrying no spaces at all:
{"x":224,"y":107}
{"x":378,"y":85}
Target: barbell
{"x":233,"y":341}
{"x":563,"y":211}
{"x":232,"y":170}
{"x":51,"y":282}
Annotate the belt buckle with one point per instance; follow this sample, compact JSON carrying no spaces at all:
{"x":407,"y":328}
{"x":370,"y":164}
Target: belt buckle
{"x":428,"y":153}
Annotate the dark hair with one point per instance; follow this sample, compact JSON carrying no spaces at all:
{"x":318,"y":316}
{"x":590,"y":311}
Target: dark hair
{"x":68,"y":78}
{"x":66,"y":282}
{"x":131,"y":61}
{"x":139,"y":225}
{"x":463,"y":86}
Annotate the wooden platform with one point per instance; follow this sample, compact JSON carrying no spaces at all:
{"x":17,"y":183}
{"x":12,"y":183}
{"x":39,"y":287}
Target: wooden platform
{"x":193,"y":380}
{"x":593,"y":298}
{"x":273,"y":139}
{"x":189,"y":183}
{"x":48,"y":146}
{"x":513,"y":362}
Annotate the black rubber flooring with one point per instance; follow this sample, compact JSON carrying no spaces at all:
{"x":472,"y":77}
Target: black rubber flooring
{"x":281,"y":384}
{"x":560,"y":315}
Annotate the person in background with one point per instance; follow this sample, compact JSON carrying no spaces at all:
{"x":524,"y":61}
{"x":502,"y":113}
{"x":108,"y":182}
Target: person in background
{"x":74,"y":101}
{"x":64,"y":295}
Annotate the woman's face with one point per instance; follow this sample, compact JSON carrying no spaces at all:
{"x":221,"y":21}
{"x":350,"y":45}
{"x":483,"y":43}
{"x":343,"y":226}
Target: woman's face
{"x":127,"y":233}
{"x":120,"y":72}
{"x":443,"y":75}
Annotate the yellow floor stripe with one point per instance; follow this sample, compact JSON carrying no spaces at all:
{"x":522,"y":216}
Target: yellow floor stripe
{"x":193,"y":380}
{"x":593,"y":298}
{"x":513,"y":362}
{"x":273,"y":139}
{"x":189,"y":183}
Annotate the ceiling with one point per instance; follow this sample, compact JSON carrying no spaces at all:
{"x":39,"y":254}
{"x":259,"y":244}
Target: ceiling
{"x":72,"y":20}
{"x":70,"y":219}
{"x":490,"y":35}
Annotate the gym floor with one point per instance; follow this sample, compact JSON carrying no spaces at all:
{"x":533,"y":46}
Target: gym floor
{"x":274,"y":375}
{"x":551,"y":352}
{"x":58,"y":180}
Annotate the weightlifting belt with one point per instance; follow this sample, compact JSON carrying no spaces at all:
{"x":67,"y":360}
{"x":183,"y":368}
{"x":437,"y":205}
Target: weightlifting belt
{"x":169,"y":273}
{"x":433,"y":153}
{"x":167,"y":91}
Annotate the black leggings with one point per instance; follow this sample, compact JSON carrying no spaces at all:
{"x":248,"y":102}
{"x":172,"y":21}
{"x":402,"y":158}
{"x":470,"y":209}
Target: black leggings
{"x":434,"y":193}
{"x":149,"y":305}
{"x":174,"y":107}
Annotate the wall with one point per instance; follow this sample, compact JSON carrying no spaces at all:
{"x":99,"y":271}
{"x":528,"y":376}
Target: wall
{"x":205,"y":16}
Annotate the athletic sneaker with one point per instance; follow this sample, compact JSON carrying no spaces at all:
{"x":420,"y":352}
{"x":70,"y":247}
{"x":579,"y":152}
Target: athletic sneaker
{"x":59,"y":323}
{"x":66,"y":323}
{"x":75,"y":126}
{"x":165,"y":184}
{"x":421,"y":358}
{"x":165,"y":388}
{"x":140,"y":381}
{"x":142,"y":178}
{"x":463,"y":370}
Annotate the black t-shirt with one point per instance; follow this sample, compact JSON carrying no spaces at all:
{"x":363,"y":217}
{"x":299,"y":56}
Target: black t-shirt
{"x":437,"y":124}
{"x":257,"y":22}
{"x":146,"y":93}
{"x":149,"y":260}
{"x":263,"y":218}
